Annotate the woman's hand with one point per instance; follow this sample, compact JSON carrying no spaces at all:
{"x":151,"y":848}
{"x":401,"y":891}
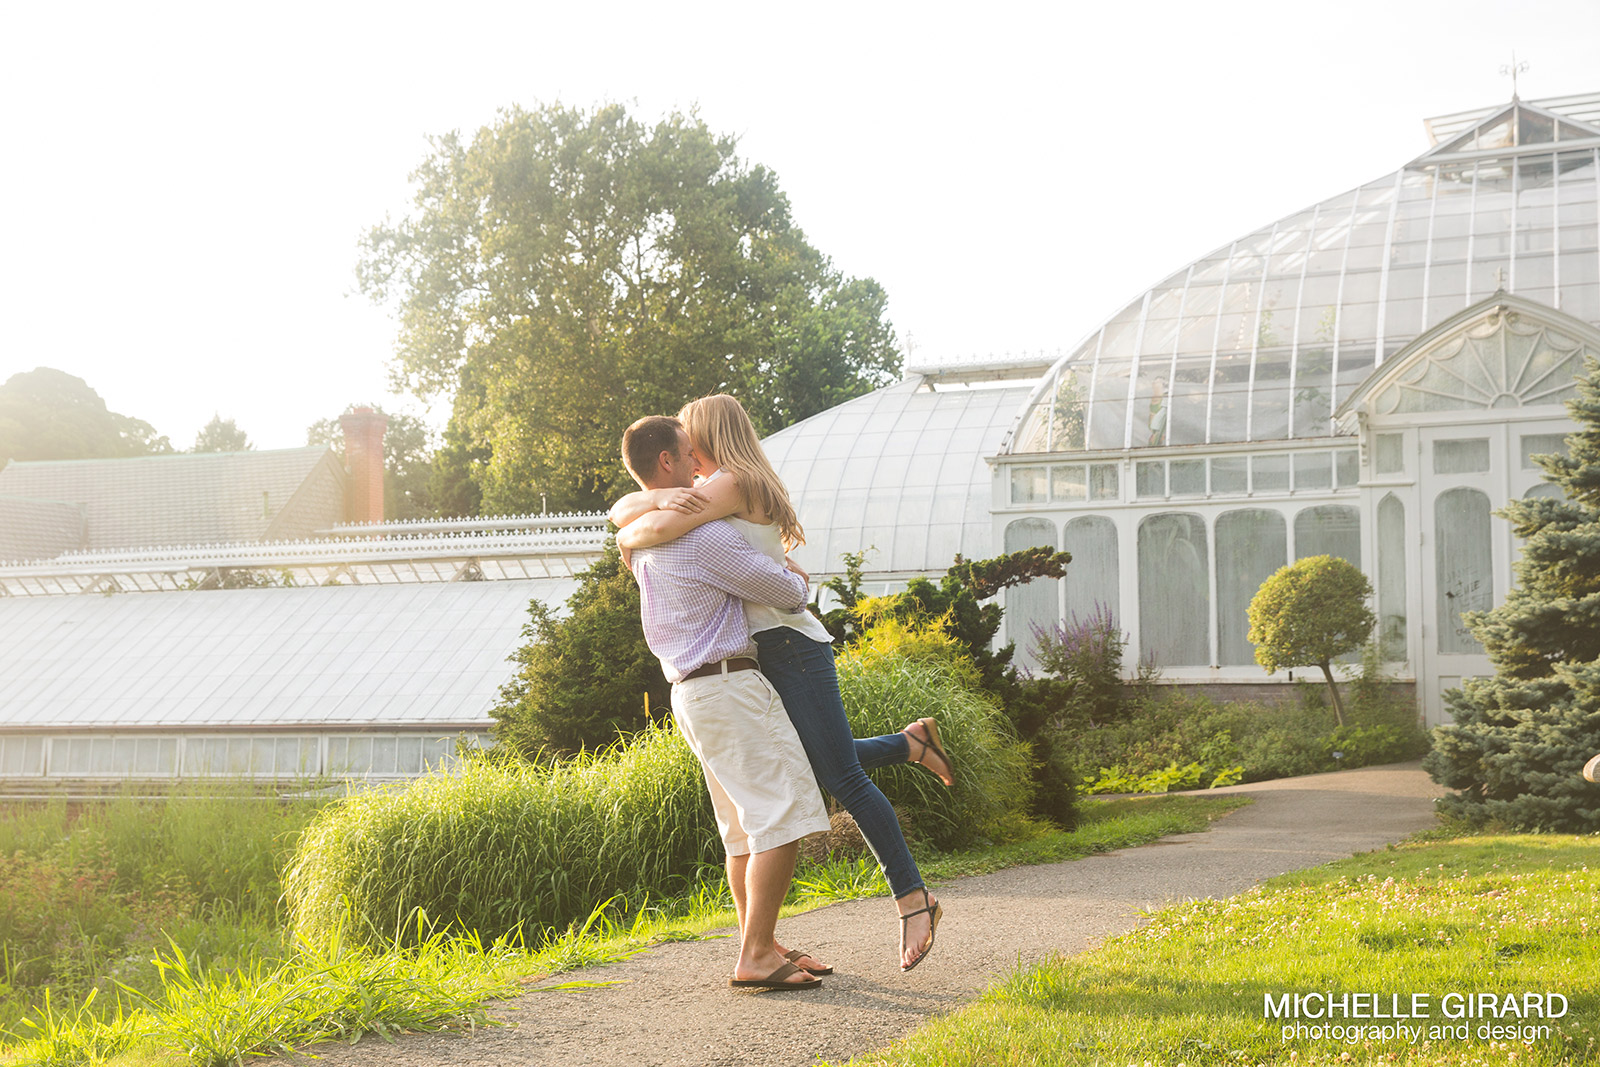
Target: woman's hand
{"x":792,"y":565}
{"x":688,"y":501}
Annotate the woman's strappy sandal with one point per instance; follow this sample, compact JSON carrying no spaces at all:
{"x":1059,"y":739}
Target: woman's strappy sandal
{"x":931,"y":744}
{"x":934,"y":911}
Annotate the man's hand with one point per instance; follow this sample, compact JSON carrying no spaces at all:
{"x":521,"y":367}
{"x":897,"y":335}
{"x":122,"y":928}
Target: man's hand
{"x":688,"y":501}
{"x":627,"y":556}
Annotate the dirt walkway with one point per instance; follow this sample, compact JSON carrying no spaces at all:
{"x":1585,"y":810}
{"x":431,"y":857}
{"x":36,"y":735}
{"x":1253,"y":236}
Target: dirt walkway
{"x":674,"y":1008}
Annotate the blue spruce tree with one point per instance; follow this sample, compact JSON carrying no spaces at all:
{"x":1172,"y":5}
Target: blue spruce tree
{"x":1521,"y":737}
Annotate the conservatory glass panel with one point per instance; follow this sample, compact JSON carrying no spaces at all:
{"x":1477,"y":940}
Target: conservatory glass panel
{"x":1187,"y":477}
{"x":1103,"y":481}
{"x":1150,"y":478}
{"x":1186,"y":410}
{"x":1269,"y":474}
{"x":1230,"y":475}
{"x":1270,"y":398}
{"x":1389,"y":453}
{"x":1392,"y":578}
{"x":1151,"y":404}
{"x":1539,"y":444}
{"x":1230,"y":396}
{"x":1033,"y":605}
{"x":1463,"y":564}
{"x":1312,"y":471}
{"x":21,"y":756}
{"x":358,"y":758}
{"x":408,"y":755}
{"x":1093,"y":575}
{"x":1328,"y":530}
{"x":1347,"y":467}
{"x":435,"y":751}
{"x":1313,"y":392}
{"x":1251,"y":545}
{"x":1029,"y":485}
{"x":1468,"y":455}
{"x":1067,"y":482}
{"x":1108,"y":411}
{"x":1174,"y":590}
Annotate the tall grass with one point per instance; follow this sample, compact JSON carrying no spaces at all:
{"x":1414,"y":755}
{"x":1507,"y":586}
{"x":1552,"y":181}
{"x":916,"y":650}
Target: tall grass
{"x":899,"y":672}
{"x":499,"y":845}
{"x":88,"y":892}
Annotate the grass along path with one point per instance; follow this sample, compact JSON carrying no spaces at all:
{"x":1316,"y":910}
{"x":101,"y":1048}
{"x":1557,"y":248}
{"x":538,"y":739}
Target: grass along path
{"x":337,"y":992}
{"x":1505,"y":916}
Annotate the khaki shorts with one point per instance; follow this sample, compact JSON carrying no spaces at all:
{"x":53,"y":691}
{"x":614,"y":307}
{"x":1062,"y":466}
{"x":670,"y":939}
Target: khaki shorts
{"x":761,"y":784}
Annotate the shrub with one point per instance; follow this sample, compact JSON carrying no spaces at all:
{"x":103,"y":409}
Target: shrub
{"x":1310,"y":613}
{"x":582,"y":680}
{"x":502,"y":843}
{"x":899,"y":671}
{"x":1521,"y":736}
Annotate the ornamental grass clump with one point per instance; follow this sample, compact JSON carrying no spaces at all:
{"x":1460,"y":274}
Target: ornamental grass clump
{"x":898,"y":672}
{"x":499,"y":845}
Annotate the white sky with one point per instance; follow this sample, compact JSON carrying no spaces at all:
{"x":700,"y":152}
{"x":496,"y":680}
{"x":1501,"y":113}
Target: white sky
{"x":186,"y":184}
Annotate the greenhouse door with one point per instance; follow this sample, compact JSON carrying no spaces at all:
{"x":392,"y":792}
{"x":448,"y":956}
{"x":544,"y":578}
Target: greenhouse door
{"x":1464,"y":470}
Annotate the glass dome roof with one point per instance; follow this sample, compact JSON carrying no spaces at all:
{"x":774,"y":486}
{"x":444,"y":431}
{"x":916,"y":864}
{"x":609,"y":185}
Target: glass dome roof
{"x":901,"y":473}
{"x":1263,"y":339}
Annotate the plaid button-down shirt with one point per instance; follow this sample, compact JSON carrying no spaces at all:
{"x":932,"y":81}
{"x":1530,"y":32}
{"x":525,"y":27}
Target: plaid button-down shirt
{"x":691,"y":590}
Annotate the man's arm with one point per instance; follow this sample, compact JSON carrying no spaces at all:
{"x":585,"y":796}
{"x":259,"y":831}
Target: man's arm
{"x":729,"y":563}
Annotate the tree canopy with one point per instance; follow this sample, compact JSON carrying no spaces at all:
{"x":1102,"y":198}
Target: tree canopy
{"x":50,"y":414}
{"x":221,"y":435}
{"x":564,"y":272}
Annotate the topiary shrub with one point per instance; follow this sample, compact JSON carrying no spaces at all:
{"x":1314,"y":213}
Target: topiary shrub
{"x":1310,"y":613}
{"x":500,"y":843}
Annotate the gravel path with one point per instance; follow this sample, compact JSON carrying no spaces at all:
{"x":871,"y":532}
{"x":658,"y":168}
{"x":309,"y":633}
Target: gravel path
{"x":674,"y":1009}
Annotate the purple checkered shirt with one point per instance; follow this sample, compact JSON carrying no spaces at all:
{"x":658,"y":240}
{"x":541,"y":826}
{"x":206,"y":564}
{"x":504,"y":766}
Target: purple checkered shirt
{"x":691,"y":590}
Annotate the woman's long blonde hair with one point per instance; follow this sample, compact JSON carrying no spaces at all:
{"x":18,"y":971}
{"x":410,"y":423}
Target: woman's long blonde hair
{"x":722,"y":434}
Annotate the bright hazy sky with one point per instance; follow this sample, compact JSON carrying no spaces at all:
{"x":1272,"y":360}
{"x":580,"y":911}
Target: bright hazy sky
{"x":186,"y":184}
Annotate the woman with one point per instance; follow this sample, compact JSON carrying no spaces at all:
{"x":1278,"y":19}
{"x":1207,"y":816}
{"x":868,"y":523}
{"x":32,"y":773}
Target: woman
{"x":796,"y":651}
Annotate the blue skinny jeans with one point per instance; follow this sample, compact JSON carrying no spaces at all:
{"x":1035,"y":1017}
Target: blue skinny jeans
{"x":802,"y":672}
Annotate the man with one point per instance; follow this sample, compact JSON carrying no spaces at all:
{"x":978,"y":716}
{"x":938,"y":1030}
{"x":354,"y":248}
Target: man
{"x":762,"y":787}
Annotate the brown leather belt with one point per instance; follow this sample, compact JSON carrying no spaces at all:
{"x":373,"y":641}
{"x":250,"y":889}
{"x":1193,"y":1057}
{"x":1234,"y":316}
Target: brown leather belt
{"x":739,"y":663}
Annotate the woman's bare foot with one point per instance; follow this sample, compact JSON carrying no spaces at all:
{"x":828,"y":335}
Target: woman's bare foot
{"x":924,"y":744}
{"x":917,"y":909}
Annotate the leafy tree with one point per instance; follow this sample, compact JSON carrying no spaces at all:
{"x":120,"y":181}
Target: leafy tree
{"x":49,"y":414}
{"x":221,"y":435}
{"x":407,"y":461}
{"x":1309,"y":614}
{"x":1519,"y":739}
{"x":582,"y":680}
{"x":564,"y":271}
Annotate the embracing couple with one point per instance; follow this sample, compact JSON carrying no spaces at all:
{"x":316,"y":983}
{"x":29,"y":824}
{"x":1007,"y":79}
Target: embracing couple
{"x":753,"y":685}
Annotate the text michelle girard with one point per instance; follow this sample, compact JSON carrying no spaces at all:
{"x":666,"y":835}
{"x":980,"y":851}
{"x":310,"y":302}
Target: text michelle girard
{"x":1414,"y":1017}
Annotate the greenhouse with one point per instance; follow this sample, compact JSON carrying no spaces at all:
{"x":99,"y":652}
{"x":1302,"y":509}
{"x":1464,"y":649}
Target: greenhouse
{"x":1369,"y":377}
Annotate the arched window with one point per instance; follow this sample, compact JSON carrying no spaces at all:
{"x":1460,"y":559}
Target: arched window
{"x":1036,"y":603}
{"x":1392,"y":577}
{"x":1251,"y":544}
{"x":1174,"y":590}
{"x":1093,"y":575}
{"x":1328,"y":530}
{"x":1463,"y":565}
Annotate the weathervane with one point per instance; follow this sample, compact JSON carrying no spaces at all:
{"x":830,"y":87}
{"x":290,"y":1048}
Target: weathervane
{"x":1513,"y":70}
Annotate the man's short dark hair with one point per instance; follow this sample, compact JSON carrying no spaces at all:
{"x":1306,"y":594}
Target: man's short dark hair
{"x":645,"y":440}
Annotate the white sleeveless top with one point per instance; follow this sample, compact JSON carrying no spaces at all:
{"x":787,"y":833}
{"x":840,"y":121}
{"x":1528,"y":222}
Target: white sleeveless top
{"x":766,"y":539}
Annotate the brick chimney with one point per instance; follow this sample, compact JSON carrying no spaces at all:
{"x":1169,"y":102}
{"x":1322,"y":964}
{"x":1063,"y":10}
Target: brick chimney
{"x":363,"y":457}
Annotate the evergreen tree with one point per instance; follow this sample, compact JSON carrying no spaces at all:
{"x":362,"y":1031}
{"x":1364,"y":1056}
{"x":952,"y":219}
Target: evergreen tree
{"x":1520,"y":738}
{"x":582,"y":680}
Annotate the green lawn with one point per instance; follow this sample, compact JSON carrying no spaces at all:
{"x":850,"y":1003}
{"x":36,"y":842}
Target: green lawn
{"x":1502,"y":915}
